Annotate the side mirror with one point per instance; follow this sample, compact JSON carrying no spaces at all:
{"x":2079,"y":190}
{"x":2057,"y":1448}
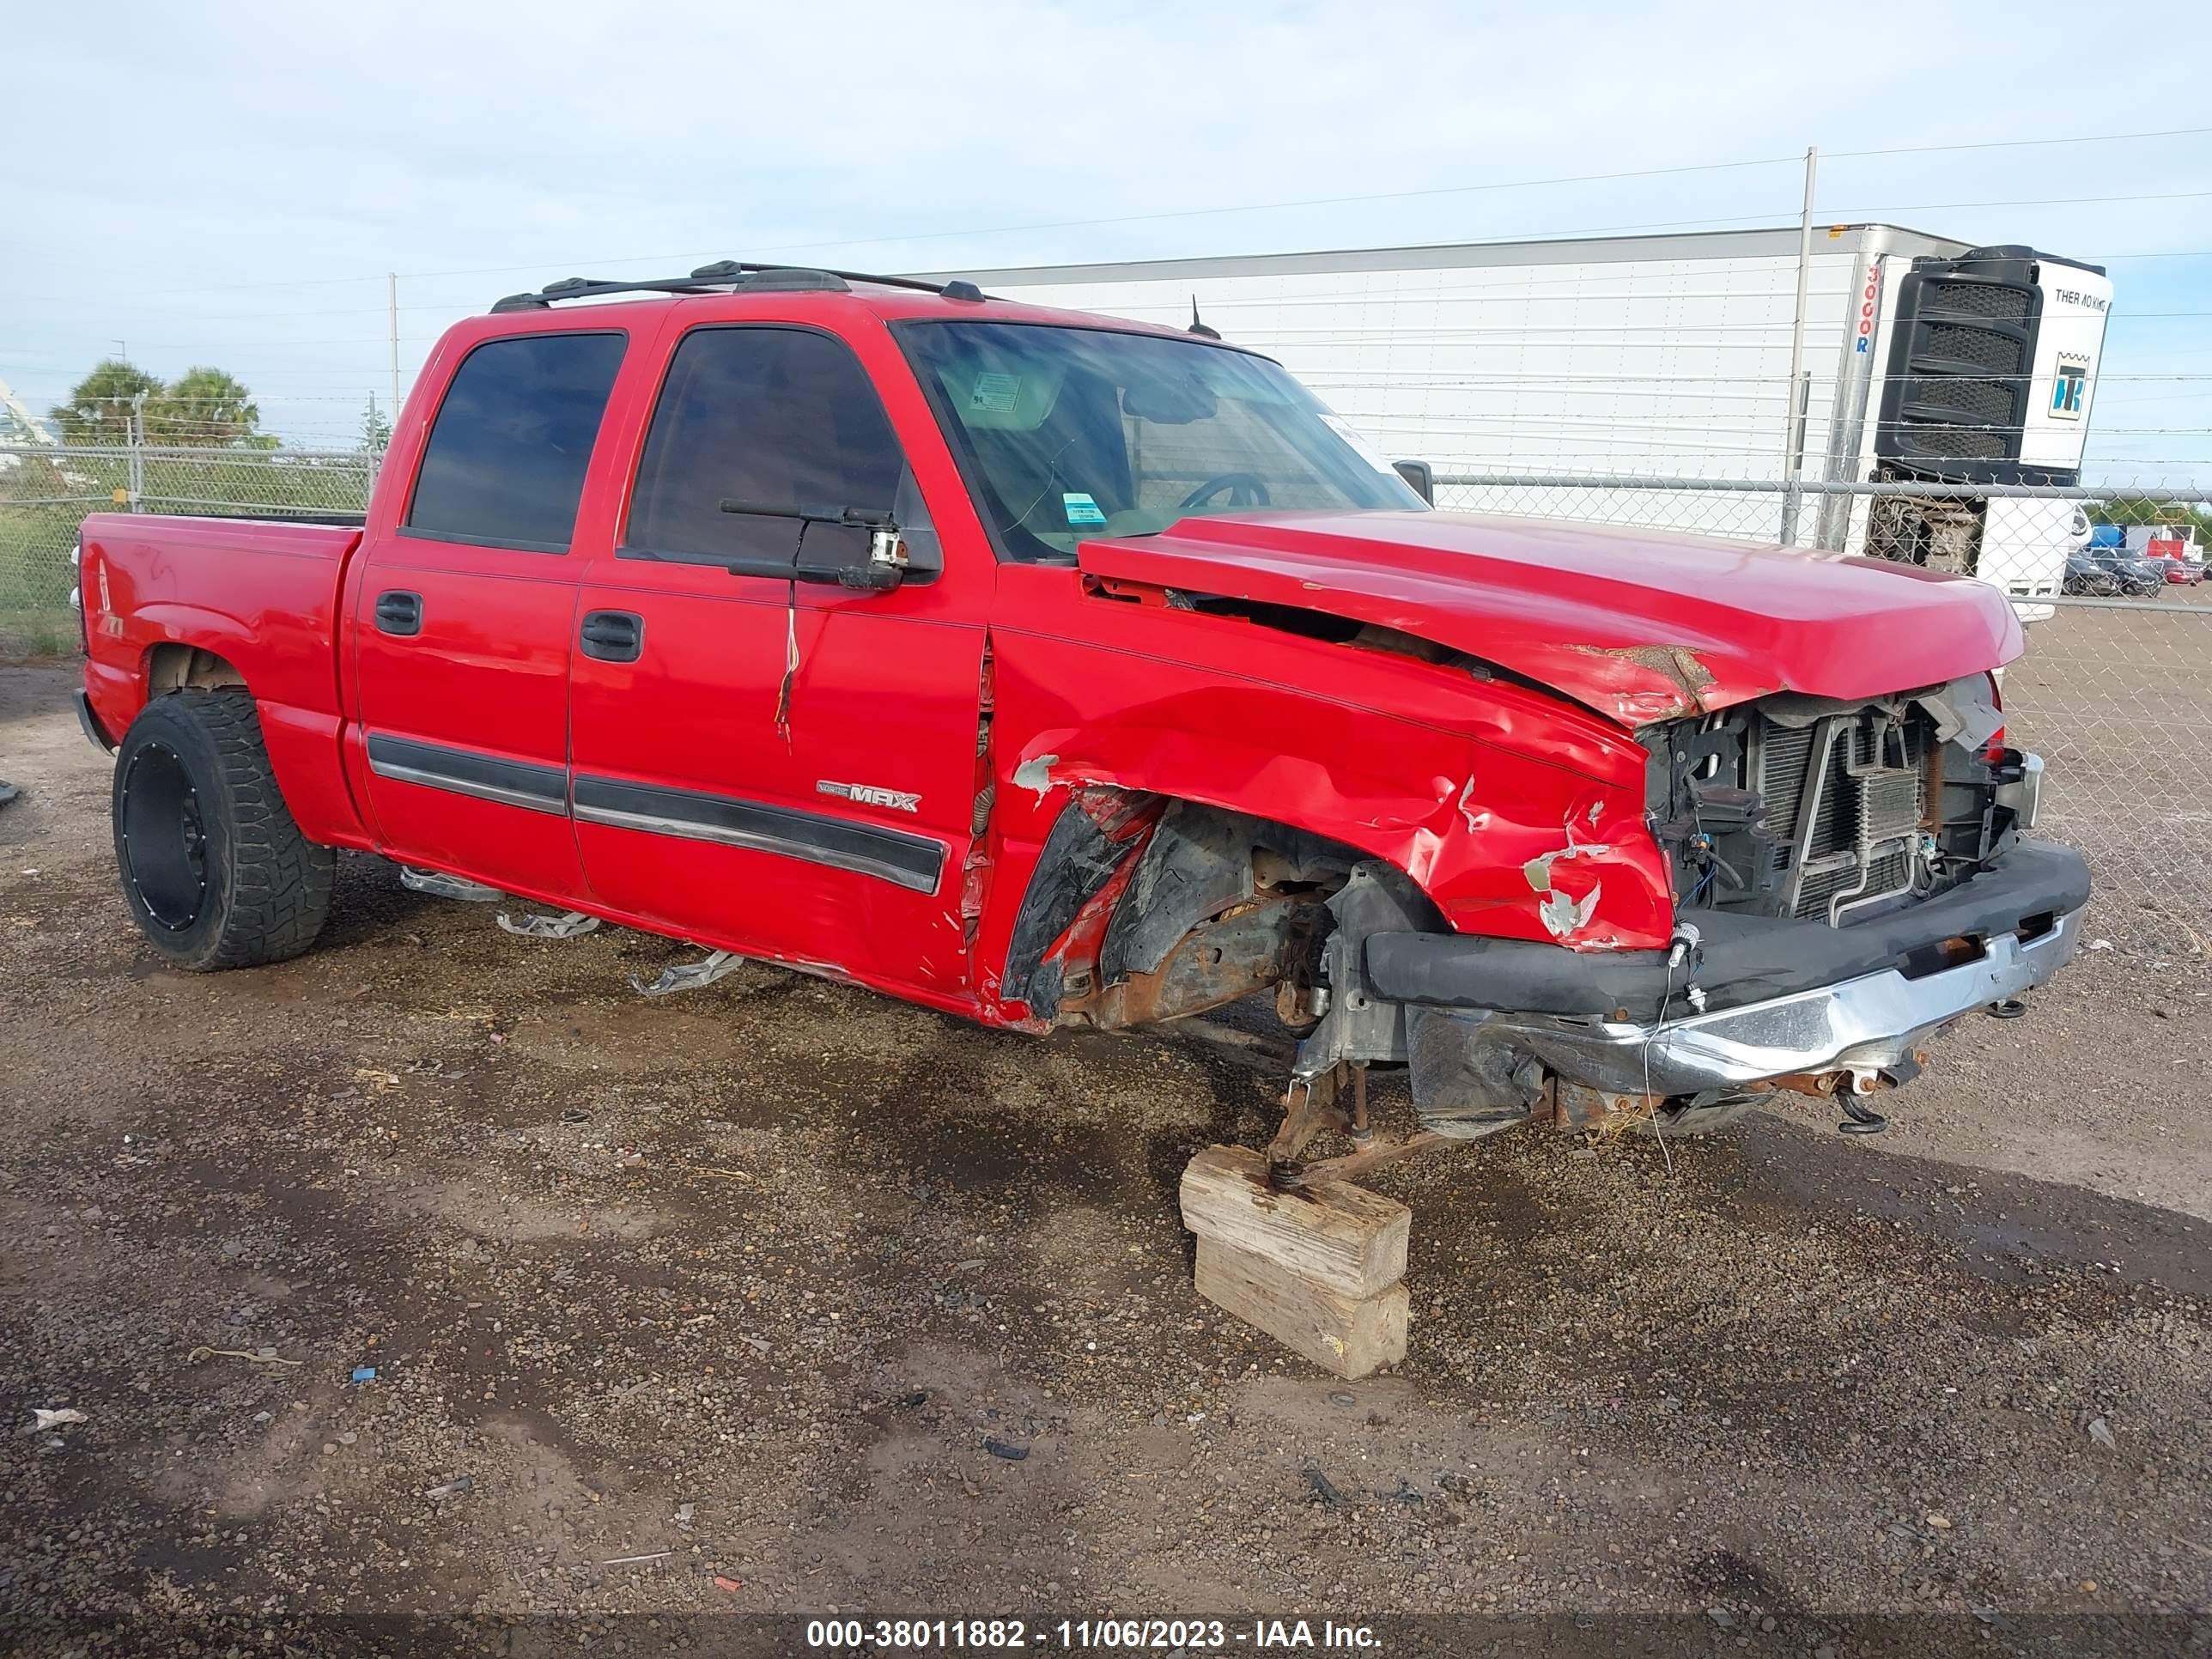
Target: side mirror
{"x":1421,"y":475}
{"x":880,"y":572}
{"x":870,"y":578}
{"x":870,"y":534}
{"x":882,"y":569}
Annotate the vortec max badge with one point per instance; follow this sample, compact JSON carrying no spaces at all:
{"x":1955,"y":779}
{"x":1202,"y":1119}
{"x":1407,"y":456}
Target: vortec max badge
{"x":868,"y":795}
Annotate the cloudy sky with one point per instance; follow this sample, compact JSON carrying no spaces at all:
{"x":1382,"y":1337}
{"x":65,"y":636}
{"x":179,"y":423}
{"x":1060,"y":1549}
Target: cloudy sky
{"x":229,"y":184}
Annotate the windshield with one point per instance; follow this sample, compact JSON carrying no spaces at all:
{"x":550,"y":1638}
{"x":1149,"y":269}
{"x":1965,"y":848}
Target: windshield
{"x":1069,"y":433}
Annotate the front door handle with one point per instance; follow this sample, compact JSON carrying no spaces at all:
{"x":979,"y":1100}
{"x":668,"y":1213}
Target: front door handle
{"x":399,"y":613}
{"x":613,"y":635}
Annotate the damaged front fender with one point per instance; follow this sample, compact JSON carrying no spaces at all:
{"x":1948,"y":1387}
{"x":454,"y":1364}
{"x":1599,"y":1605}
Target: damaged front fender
{"x":1502,"y":844}
{"x":1528,"y":824}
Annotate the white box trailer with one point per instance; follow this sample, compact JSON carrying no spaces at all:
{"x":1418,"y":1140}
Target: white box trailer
{"x":1925,"y":360}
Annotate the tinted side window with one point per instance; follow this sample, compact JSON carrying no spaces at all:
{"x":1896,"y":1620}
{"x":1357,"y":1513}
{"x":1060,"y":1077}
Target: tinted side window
{"x":772,"y":417}
{"x":505,"y":463}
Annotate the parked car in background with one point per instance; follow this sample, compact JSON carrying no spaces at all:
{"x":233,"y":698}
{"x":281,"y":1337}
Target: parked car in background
{"x":2135,"y":576}
{"x":2088,"y":579}
{"x":2175,"y":543}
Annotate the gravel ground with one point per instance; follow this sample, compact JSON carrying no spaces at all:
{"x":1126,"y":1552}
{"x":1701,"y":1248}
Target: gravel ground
{"x":764,"y":1283}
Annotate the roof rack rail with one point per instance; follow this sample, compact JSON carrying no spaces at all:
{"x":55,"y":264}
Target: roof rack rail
{"x":732,"y":276}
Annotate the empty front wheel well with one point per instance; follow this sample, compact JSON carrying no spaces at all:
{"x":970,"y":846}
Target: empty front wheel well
{"x":1146,"y":907}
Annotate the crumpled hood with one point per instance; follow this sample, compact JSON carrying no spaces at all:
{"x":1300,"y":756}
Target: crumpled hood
{"x":1640,"y":625}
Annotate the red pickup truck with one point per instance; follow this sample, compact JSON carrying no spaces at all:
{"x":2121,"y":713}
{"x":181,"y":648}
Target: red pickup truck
{"x":1050,"y":669}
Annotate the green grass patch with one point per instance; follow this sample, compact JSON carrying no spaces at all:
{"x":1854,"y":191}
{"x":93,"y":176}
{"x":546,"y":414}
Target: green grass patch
{"x":30,"y":636}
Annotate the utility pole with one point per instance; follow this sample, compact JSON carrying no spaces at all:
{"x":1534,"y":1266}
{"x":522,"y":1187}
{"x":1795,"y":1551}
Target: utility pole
{"x":392,"y":315}
{"x":1793,"y":419}
{"x":137,"y":459}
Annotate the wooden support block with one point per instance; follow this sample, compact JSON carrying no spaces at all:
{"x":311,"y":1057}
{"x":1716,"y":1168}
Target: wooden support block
{"x":1351,"y":1336}
{"x":1336,"y":1236}
{"x":1318,"y":1268}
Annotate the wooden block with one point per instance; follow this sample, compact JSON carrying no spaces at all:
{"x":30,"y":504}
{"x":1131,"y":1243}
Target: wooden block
{"x":1351,"y":1336}
{"x":1340,"y":1238}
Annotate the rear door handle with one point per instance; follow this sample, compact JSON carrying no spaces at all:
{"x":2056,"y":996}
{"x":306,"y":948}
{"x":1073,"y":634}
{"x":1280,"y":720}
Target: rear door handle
{"x":613,"y":635}
{"x":398,"y":612}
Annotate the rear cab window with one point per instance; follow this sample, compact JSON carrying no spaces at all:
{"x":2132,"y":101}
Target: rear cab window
{"x":507,"y":451}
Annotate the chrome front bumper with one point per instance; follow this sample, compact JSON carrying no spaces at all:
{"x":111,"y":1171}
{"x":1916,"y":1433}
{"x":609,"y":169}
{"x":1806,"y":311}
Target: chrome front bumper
{"x":1858,"y":1025}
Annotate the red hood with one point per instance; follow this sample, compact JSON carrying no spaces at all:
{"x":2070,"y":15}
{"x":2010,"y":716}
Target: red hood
{"x":1642,"y":626}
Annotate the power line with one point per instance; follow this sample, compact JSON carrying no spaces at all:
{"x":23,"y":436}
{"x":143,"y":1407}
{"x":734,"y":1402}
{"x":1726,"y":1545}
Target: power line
{"x":1736,"y":220}
{"x":1165,"y":215}
{"x":1472,"y":333}
{"x":2020,"y":143}
{"x":1138,"y":218}
{"x":2026,"y":200}
{"x":452,"y":307}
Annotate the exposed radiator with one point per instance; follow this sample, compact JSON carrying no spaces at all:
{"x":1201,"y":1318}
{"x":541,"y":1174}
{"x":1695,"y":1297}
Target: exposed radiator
{"x":1844,"y":800}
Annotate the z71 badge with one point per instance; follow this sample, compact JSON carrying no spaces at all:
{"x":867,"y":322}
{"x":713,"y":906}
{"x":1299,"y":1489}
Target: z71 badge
{"x":868,"y":795}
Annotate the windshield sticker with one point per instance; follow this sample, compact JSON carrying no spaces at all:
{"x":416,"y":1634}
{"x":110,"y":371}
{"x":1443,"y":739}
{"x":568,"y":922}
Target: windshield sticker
{"x":1366,"y":451}
{"x":1081,"y":509}
{"x":995,"y":392}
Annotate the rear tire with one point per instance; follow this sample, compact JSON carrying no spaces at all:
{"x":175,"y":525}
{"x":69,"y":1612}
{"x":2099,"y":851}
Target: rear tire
{"x":215,"y":871}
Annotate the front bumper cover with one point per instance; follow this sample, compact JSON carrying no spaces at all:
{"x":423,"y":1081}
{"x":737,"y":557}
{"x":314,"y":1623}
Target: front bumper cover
{"x":1483,"y":1022}
{"x":1865,"y":1026}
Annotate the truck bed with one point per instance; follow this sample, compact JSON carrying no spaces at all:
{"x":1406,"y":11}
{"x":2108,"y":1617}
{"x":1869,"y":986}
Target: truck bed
{"x":259,"y":599}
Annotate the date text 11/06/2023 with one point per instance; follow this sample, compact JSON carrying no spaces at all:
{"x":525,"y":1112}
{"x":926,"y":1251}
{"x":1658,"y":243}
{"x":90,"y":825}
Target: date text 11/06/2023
{"x":1104,"y":1635}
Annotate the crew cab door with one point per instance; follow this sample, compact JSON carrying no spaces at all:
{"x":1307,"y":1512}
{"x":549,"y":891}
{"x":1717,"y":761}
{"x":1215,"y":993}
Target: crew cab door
{"x":464,"y":609}
{"x":786,"y":768}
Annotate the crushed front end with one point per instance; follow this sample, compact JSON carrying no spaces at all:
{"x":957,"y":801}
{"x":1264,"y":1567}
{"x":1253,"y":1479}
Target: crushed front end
{"x":1848,"y":880}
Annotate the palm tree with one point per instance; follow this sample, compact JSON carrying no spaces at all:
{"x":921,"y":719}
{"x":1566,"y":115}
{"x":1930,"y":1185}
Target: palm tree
{"x":99,"y":409}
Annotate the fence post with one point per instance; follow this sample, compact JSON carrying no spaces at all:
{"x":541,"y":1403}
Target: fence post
{"x":1793,"y":431}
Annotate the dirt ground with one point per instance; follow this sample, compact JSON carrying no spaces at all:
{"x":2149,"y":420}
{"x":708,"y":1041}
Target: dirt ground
{"x":782,"y":1297}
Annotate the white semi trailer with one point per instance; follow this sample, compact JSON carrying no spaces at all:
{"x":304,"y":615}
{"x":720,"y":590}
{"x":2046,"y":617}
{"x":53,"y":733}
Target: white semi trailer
{"x":1925,"y":362}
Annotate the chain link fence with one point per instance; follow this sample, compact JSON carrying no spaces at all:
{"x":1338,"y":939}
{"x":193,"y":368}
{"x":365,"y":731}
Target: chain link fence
{"x":2113,"y":690}
{"x":46,"y":490}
